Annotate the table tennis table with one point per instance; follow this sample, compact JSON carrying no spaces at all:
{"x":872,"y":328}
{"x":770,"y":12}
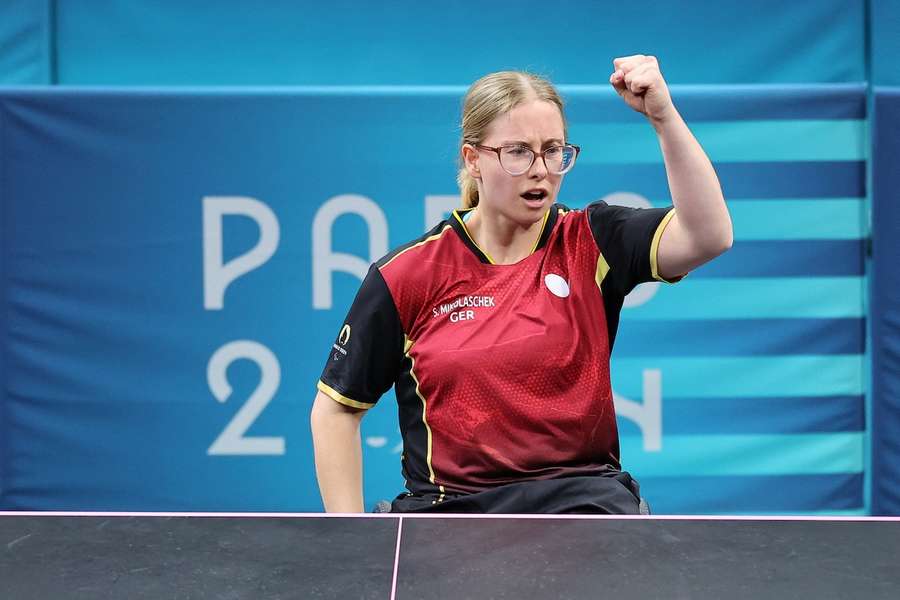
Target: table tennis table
{"x":303,"y":555}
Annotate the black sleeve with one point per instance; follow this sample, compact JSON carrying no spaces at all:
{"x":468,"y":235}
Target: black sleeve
{"x":628,"y":238}
{"x":364,"y":360}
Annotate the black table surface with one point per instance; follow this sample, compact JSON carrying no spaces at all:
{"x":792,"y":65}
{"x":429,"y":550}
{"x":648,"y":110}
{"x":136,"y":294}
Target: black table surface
{"x":155,"y":555}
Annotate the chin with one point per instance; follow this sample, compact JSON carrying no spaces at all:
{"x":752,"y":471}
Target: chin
{"x":534,"y":207}
{"x":528,"y":215}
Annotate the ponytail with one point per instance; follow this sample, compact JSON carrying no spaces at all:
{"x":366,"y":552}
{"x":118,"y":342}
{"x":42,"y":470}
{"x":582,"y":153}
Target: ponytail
{"x":468,"y":188}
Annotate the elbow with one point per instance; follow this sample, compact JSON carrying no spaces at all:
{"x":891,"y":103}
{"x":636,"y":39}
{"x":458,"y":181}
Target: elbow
{"x":727,"y":235}
{"x":723,"y":242}
{"x":722,"y":234}
{"x":715,"y":246}
{"x":727,"y":242}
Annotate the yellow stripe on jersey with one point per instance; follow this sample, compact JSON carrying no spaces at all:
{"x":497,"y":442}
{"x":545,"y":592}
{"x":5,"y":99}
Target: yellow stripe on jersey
{"x":339,"y":397}
{"x":407,"y":345}
{"x":430,"y":238}
{"x":654,"y":250}
{"x":469,"y":235}
{"x":602,"y":270}
{"x":483,"y":251}
{"x":541,"y":234}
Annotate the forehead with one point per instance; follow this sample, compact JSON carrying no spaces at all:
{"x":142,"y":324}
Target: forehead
{"x":533,"y":121}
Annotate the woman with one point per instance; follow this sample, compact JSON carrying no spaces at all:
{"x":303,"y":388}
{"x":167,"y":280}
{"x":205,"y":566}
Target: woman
{"x":497,"y":325}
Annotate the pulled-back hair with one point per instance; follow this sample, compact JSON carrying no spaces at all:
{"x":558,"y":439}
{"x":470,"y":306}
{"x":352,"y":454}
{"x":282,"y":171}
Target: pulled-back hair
{"x":489,"y":97}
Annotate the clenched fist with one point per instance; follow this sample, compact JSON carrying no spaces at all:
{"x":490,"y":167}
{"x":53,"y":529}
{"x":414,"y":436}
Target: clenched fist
{"x":640,"y":83}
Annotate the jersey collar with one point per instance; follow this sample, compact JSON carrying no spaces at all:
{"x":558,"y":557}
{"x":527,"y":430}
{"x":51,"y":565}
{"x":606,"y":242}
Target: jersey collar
{"x":457,"y":219}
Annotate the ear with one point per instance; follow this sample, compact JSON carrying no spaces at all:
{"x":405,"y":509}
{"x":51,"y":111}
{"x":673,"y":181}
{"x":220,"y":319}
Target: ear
{"x":470,"y":160}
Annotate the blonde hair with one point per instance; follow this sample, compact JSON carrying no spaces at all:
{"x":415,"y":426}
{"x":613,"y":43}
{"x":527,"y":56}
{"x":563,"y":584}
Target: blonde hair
{"x":488,"y":98}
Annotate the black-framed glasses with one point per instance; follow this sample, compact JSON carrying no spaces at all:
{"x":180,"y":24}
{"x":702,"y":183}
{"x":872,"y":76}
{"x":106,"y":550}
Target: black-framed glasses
{"x":517,"y":159}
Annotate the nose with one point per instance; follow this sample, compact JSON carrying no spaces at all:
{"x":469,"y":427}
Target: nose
{"x":538,"y":168}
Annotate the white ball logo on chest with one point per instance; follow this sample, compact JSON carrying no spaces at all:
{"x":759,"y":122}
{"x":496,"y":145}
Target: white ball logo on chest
{"x":557,"y":285}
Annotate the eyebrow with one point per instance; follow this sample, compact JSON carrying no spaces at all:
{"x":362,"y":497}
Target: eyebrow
{"x":524,"y":143}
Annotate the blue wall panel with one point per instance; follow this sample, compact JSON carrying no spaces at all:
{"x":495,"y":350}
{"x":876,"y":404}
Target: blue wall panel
{"x":4,"y":237}
{"x":26,"y":42}
{"x":233,"y":42}
{"x":886,"y":304}
{"x":884,"y":35}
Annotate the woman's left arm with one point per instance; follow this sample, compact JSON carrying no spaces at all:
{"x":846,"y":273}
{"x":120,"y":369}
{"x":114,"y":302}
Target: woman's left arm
{"x":701,"y":228}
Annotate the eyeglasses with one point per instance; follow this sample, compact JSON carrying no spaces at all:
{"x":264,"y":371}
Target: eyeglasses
{"x":517,"y":159}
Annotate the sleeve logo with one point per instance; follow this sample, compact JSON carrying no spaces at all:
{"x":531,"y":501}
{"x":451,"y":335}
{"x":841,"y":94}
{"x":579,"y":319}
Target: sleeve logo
{"x":345,"y":335}
{"x":343,"y":338}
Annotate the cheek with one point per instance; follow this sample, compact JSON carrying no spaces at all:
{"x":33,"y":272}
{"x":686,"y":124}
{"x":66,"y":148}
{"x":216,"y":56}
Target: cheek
{"x":497,"y":182}
{"x":503,"y":187}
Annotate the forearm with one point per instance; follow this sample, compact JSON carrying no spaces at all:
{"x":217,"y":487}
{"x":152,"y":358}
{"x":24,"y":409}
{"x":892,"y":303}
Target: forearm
{"x":694,"y":186}
{"x":338,"y":455}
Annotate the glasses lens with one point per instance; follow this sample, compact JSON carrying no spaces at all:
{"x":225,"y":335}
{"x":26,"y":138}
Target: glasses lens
{"x":560,"y":158}
{"x":516,"y":159}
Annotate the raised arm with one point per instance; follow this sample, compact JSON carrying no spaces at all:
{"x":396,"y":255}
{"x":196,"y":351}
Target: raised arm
{"x":701,"y":228}
{"x":335,"y":433}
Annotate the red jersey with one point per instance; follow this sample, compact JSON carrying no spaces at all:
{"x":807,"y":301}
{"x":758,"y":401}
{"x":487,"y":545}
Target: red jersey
{"x":501,"y":371}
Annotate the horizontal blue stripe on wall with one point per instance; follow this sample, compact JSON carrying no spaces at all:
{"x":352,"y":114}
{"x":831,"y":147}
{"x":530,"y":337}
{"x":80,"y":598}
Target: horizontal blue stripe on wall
{"x":790,"y":258}
{"x":759,"y":454}
{"x":783,"y":414}
{"x":752,"y":298}
{"x":790,"y":218}
{"x":731,"y":102}
{"x":812,"y":179}
{"x":743,"y":377}
{"x":821,"y":219}
{"x":728,"y":141}
{"x":740,"y":337}
{"x":779,"y":494}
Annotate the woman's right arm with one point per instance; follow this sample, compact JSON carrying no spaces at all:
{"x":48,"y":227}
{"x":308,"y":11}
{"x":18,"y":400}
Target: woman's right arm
{"x":335,"y":432}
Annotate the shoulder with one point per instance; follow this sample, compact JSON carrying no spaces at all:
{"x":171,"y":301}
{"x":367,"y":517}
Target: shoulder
{"x":566,"y":214}
{"x":601,"y":211}
{"x":419,"y":268}
{"x":570,"y":221}
{"x":411,"y":254}
{"x":612,"y":224}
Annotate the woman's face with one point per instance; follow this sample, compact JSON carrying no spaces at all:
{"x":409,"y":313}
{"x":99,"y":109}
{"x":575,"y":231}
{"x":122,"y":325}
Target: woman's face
{"x":536,"y":124}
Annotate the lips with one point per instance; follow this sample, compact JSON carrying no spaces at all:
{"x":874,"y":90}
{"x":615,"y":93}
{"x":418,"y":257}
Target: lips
{"x":535,"y":194}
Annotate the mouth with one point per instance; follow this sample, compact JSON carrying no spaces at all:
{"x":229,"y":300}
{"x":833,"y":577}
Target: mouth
{"x":535,"y":197}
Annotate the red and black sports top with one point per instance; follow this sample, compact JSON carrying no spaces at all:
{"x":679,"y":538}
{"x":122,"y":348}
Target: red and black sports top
{"x":501,"y":371}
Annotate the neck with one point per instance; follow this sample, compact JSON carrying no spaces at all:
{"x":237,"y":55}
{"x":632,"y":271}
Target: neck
{"x":503,"y":240}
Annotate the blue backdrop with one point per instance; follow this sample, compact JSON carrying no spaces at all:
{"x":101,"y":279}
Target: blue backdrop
{"x":300,"y":42}
{"x":175,"y":265}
